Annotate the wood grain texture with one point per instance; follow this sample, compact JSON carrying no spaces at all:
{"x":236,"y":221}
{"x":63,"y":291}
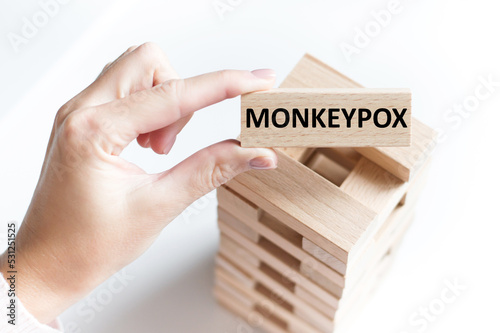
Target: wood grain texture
{"x":389,"y":234}
{"x":313,"y":73}
{"x":316,"y":302}
{"x":242,"y":275}
{"x":300,"y":313}
{"x":323,"y":256}
{"x":275,"y":284}
{"x":237,"y":205}
{"x":305,"y":201}
{"x":226,"y":297}
{"x":231,"y":291}
{"x":327,"y":168}
{"x":372,"y":258}
{"x":345,"y":157}
{"x":282,"y":236}
{"x":309,"y":270}
{"x":240,"y":226}
{"x":243,"y":254}
{"x":377,"y":189}
{"x":403,"y":162}
{"x":340,"y":123}
{"x":278,"y":263}
{"x":258,"y":298}
{"x":365,"y":262}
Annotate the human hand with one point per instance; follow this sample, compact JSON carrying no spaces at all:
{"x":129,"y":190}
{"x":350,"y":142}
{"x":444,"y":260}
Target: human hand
{"x":93,"y":212}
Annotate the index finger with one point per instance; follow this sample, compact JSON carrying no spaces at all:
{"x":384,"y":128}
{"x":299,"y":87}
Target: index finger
{"x":164,"y":104}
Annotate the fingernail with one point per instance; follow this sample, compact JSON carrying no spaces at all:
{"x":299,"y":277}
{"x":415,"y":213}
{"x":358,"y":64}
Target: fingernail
{"x":266,"y":74}
{"x":262,"y":163}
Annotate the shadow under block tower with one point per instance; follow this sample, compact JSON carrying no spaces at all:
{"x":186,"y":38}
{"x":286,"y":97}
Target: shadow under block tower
{"x":303,"y":246}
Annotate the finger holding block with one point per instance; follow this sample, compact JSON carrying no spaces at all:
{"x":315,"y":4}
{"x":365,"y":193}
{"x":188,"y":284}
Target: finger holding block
{"x":337,"y":117}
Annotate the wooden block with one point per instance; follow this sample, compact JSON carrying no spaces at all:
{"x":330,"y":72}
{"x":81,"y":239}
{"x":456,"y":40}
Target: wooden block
{"x":246,"y":256}
{"x":335,"y":117}
{"x":280,"y":229}
{"x":237,"y":296}
{"x":274,"y":281}
{"x":266,"y":302}
{"x":398,"y":218}
{"x":323,"y":256}
{"x":240,"y":275}
{"x":267,"y":313}
{"x":241,"y":309}
{"x":293,"y":247}
{"x":300,"y":313}
{"x":367,"y":263}
{"x":310,"y":271}
{"x":327,"y":168}
{"x":403,"y":162}
{"x":279,"y":278}
{"x":237,"y":224}
{"x":285,"y":238}
{"x":362,"y":269}
{"x":315,"y":302}
{"x":381,"y":268}
{"x":377,"y":189}
{"x":353,"y":304}
{"x":374,"y":187}
{"x":362,"y":281}
{"x":298,"y":153}
{"x":313,"y":207}
{"x":237,"y":205}
{"x":230,"y":249}
{"x":276,"y":264}
{"x":350,"y":310}
{"x":279,"y":261}
{"x":230,"y":302}
{"x":345,"y":157}
{"x":312,"y":73}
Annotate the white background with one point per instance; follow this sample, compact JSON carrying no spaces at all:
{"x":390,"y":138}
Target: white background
{"x":440,"y":49}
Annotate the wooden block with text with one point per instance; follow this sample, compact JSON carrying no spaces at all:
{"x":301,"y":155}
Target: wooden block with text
{"x":335,"y":117}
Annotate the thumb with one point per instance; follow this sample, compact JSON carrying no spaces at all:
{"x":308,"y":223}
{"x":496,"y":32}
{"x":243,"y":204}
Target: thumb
{"x":211,"y":167}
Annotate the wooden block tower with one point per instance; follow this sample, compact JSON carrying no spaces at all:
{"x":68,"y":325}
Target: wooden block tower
{"x":302,"y":246}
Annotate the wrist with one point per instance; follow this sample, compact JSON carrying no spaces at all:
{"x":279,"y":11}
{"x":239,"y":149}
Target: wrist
{"x":43,"y":284}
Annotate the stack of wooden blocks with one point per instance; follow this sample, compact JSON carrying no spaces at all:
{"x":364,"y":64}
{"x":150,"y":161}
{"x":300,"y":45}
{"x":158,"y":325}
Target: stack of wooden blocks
{"x":302,"y":246}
